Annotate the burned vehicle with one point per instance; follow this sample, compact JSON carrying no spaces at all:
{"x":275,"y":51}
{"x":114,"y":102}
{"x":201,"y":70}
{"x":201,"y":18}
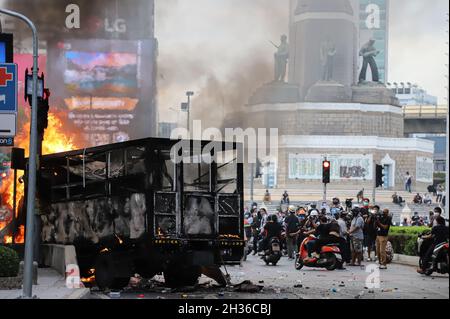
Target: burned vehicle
{"x":131,"y":208}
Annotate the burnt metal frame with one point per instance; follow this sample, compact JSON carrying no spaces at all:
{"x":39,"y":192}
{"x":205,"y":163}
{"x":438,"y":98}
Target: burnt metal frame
{"x":178,"y":180}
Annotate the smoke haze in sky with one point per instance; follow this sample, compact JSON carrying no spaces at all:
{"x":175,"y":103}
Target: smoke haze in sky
{"x":207,"y":45}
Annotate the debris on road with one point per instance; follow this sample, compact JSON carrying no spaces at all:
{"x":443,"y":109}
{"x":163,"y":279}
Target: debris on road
{"x":247,"y":286}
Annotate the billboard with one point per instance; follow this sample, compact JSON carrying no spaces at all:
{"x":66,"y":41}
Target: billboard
{"x":106,"y":87}
{"x":424,"y":169}
{"x":343,"y":167}
{"x":85,"y":19}
{"x":374,"y":24}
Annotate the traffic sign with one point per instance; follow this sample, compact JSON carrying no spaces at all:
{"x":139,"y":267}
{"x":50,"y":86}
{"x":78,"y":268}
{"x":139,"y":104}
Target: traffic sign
{"x":8,"y":88}
{"x":8,"y":124}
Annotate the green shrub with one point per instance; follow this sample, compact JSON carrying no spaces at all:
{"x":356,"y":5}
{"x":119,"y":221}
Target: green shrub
{"x":9,"y":262}
{"x":404,"y":239}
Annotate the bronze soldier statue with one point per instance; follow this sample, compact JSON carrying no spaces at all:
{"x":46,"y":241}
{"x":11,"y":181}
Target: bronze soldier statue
{"x":369,"y":52}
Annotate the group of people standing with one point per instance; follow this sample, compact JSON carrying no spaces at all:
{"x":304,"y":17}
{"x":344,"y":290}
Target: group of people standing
{"x":353,"y":229}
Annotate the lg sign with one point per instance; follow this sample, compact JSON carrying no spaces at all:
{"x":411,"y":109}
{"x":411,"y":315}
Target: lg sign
{"x":73,"y":21}
{"x":373,"y":20}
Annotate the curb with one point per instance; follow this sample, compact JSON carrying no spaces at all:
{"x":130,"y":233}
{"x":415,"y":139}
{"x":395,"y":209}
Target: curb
{"x":79,"y":293}
{"x":406,"y":260}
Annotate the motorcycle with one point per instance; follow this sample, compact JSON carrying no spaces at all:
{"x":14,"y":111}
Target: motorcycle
{"x":330,"y":256}
{"x":423,"y":245}
{"x":273,"y":254}
{"x":439,"y":260}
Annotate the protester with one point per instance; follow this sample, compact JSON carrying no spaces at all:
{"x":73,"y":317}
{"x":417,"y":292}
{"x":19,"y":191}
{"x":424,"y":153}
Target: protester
{"x":267,"y":197}
{"x":271,"y":229}
{"x":285,"y":199}
{"x":371,"y":232}
{"x":357,"y":237}
{"x":408,"y":182}
{"x":439,"y":193}
{"x":436,"y":213}
{"x":417,"y":199}
{"x":255,"y":227}
{"x":383,"y":224}
{"x":292,"y":225}
{"x":427,"y":200}
{"x":343,"y":233}
{"x":439,"y":234}
{"x":415,"y":220}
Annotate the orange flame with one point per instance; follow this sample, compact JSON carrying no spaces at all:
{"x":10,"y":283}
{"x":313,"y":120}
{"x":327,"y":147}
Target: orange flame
{"x":55,"y":141}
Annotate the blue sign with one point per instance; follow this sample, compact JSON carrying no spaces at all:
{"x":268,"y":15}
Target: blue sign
{"x":6,"y":141}
{"x":8,"y":88}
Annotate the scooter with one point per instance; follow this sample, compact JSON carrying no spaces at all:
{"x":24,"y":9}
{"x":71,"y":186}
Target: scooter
{"x":439,"y":260}
{"x":330,"y":256}
{"x":273,"y":254}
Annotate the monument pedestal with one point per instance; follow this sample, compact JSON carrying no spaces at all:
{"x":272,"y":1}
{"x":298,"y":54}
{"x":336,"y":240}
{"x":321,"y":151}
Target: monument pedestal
{"x":275,"y":92}
{"x":373,"y":93}
{"x":329,"y":92}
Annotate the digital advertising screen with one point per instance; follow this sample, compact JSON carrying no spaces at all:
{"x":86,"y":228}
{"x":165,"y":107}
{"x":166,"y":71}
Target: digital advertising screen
{"x":106,"y":87}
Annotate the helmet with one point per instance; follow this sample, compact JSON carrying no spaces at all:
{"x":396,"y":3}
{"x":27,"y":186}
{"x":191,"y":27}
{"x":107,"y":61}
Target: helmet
{"x":292,"y":209}
{"x":314,"y":213}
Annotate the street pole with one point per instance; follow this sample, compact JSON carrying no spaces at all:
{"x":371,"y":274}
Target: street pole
{"x":324,"y":192}
{"x":188,"y":114}
{"x":31,"y":192}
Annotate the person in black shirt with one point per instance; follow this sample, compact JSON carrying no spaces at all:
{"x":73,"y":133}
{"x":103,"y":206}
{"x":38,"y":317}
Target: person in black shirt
{"x":292,"y":224}
{"x":383,"y":225}
{"x":439,"y":234}
{"x":255,"y":229}
{"x":371,"y":231}
{"x":271,"y":229}
{"x":332,"y":236}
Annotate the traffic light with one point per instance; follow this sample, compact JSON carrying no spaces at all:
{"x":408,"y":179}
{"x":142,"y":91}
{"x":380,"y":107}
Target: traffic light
{"x":43,"y":108}
{"x":326,"y":168}
{"x":379,"y":178}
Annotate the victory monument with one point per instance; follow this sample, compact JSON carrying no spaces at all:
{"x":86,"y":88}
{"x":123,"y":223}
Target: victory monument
{"x":333,"y":105}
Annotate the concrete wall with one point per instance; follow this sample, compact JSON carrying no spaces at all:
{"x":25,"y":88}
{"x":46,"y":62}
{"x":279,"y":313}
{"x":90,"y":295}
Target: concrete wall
{"x":404,"y":161}
{"x":327,"y":119}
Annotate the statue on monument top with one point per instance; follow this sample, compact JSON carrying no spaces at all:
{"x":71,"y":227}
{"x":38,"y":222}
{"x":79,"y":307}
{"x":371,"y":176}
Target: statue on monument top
{"x":281,"y":59}
{"x":327,"y":54}
{"x":369,"y":52}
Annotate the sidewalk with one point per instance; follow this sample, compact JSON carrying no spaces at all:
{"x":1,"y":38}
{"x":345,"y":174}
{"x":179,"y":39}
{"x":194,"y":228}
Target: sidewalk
{"x":51,"y":285}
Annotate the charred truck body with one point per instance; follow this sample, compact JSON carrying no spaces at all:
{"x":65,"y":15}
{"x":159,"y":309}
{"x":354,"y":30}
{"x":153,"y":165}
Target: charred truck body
{"x":131,"y":208}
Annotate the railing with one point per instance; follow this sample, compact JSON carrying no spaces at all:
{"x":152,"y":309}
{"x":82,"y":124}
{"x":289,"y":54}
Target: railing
{"x":425,"y":111}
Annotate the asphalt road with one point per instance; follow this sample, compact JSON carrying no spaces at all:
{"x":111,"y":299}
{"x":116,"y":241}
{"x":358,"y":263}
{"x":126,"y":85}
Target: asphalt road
{"x":284,"y":282}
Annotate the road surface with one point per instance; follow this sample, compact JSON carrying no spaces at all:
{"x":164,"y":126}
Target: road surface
{"x":284,"y":282}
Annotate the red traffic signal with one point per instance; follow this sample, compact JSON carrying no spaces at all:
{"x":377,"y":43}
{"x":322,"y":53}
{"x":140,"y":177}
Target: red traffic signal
{"x":326,"y":174}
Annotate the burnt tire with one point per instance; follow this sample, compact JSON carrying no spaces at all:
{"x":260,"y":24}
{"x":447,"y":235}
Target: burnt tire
{"x":105,"y":270}
{"x":182,"y":277}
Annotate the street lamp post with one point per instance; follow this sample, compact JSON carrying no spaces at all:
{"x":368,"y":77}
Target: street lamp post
{"x":31,"y":191}
{"x":189,"y":94}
